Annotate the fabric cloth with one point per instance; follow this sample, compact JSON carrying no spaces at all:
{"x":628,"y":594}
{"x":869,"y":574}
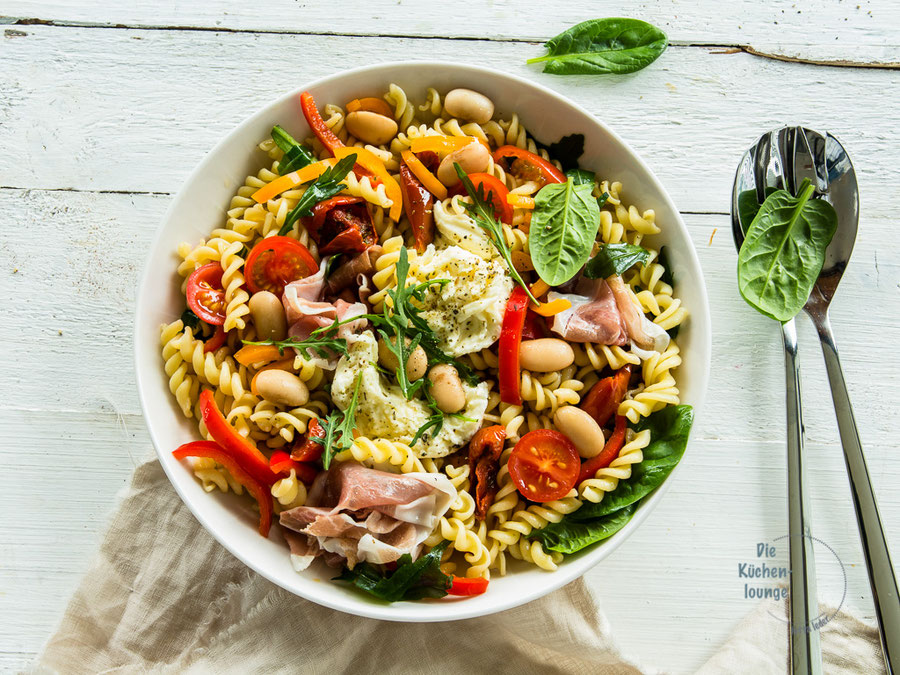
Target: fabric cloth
{"x":163,"y":596}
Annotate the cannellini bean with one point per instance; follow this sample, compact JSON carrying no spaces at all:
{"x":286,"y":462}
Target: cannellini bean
{"x":469,"y":105}
{"x":473,"y":158}
{"x":582,"y":430}
{"x":416,"y":364}
{"x":282,"y":387}
{"x":446,"y":388}
{"x":268,"y":316}
{"x":370,"y":127}
{"x":545,"y":355}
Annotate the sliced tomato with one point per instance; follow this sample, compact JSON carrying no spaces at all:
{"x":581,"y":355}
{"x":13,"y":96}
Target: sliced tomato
{"x":216,"y":341}
{"x":494,"y":190}
{"x":306,"y":449}
{"x":275,"y":262}
{"x":418,"y":202}
{"x":205,"y":295}
{"x":282,"y":463}
{"x":529,"y":165}
{"x":466,"y":586}
{"x":544,"y":465}
{"x":603,"y":400}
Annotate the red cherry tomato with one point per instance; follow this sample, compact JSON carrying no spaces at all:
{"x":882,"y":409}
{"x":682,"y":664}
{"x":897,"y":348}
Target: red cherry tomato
{"x":205,"y":295}
{"x":275,"y":262}
{"x":529,"y":165}
{"x":544,"y":465}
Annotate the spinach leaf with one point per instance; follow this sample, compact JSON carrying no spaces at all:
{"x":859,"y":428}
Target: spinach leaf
{"x":603,"y":46}
{"x":410,"y":581}
{"x":568,"y":536}
{"x":568,"y":150}
{"x":783,"y":252}
{"x":581,"y":176}
{"x":663,"y":259}
{"x":614,"y":259}
{"x":328,"y":184}
{"x":191,"y":320}
{"x":748,"y":206}
{"x":669,"y":430}
{"x":296,"y":156}
{"x":564,"y":225}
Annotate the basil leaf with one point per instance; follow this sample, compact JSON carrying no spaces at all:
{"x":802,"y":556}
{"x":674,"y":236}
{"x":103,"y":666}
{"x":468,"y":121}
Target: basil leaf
{"x":564,"y":225}
{"x":410,"y":581}
{"x":783,"y":252}
{"x":581,"y":176}
{"x":568,"y":150}
{"x":669,"y":430}
{"x":614,"y":259}
{"x":603,"y":46}
{"x":568,"y":536}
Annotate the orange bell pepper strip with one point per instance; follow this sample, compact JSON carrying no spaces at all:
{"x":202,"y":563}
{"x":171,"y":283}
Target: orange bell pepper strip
{"x":291,"y":180}
{"x":250,"y":354}
{"x":244,"y":452}
{"x":553,"y":307}
{"x":215,"y":452}
{"x":371,"y":104}
{"x":369,"y":161}
{"x":442,"y":145}
{"x":520,"y":201}
{"x":428,"y":179}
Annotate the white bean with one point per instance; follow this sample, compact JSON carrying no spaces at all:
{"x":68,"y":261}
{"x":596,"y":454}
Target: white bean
{"x":370,"y":127}
{"x":446,"y":388}
{"x":268,"y":316}
{"x":582,"y":430}
{"x":282,"y":387}
{"x":416,"y":363}
{"x":473,"y":158}
{"x":469,"y":105}
{"x":545,"y":355}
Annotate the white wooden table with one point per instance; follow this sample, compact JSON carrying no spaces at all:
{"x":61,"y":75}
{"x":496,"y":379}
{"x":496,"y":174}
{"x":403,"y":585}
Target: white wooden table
{"x":104,"y":111}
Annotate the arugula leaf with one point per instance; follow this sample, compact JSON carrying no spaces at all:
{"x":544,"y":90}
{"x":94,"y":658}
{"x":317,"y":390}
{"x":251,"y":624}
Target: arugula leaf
{"x":784,"y":250}
{"x":601,"y":200}
{"x":614,"y":259}
{"x":603,"y":46}
{"x":564,"y":225}
{"x":669,"y":430}
{"x":325,"y":186}
{"x":410,"y":581}
{"x":338,"y":427}
{"x":296,"y":156}
{"x":568,"y":150}
{"x":323,"y":341}
{"x":482,"y":213}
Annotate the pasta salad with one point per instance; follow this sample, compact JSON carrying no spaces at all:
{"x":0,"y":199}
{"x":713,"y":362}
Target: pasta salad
{"x":427,"y":346}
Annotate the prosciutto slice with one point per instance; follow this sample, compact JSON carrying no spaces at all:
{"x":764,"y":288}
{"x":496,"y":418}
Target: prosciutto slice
{"x":606,"y":312}
{"x":306,"y":311}
{"x":362,"y":514}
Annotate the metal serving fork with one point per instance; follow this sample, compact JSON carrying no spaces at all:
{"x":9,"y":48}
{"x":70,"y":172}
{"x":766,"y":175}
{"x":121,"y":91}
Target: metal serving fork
{"x":782,"y":159}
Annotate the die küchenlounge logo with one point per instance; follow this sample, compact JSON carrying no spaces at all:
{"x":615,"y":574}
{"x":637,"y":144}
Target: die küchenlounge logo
{"x":766,"y":575}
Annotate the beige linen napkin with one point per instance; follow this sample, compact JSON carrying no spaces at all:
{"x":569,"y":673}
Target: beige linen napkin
{"x":163,"y":596}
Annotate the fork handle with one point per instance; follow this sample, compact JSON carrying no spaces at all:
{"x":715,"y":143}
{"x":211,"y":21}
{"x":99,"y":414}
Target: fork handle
{"x":806,"y":651}
{"x":878,"y":558}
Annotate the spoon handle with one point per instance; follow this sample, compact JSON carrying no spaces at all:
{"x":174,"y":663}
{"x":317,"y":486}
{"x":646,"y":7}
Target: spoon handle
{"x":878,"y":559}
{"x":806,"y":651}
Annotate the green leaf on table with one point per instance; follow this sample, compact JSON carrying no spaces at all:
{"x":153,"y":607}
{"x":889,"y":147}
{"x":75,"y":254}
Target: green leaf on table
{"x":410,"y":581}
{"x":564,"y":225}
{"x":784,"y":250}
{"x":603,"y":46}
{"x":614,"y":259}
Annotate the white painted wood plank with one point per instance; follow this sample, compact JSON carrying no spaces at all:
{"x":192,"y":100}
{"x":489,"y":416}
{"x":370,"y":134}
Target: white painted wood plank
{"x":818,"y":29}
{"x":70,"y":117}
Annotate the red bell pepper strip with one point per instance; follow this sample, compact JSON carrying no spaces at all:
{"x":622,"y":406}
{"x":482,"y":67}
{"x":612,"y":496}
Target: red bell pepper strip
{"x":533,"y":165}
{"x":217,"y":453}
{"x":280,"y":462}
{"x":510,"y":339}
{"x":494,"y":189}
{"x":608,"y":454}
{"x":604,"y":398}
{"x":307,"y":449}
{"x":418,"y":202}
{"x":216,"y":341}
{"x":465,"y":586}
{"x":325,"y":135}
{"x":243,"y":451}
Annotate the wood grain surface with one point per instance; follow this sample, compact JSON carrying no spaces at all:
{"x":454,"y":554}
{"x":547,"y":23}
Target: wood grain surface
{"x":105,"y":109}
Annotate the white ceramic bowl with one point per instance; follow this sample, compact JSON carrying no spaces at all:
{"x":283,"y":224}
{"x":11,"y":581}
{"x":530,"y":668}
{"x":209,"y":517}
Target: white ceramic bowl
{"x":199,"y":207}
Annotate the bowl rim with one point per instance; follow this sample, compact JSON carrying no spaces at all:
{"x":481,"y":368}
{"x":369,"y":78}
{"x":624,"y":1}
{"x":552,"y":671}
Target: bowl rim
{"x":575,"y":568}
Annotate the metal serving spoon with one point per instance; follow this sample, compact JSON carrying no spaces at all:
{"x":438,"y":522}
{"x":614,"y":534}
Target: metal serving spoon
{"x":782,"y":159}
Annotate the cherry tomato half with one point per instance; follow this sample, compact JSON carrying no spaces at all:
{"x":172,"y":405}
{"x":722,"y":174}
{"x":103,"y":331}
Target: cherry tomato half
{"x":275,"y":262}
{"x":205,"y":295}
{"x":544,"y":465}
